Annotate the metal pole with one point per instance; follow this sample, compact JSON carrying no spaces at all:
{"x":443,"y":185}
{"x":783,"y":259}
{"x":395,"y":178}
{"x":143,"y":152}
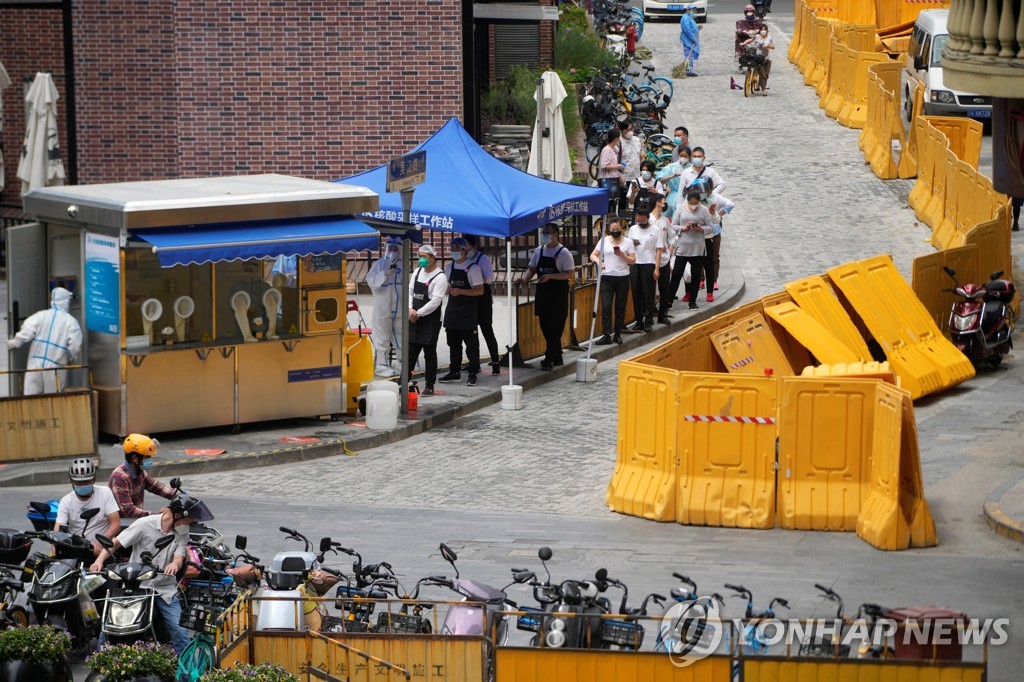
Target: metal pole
{"x":511,"y":308}
{"x":543,"y":167}
{"x":403,"y":397}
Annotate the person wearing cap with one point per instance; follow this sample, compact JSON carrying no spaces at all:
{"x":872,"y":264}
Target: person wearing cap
{"x":465,"y":285}
{"x":141,"y":537}
{"x":385,"y":281}
{"x":427,"y":288}
{"x":55,"y":340}
{"x":553,"y":265}
{"x":129,"y":481}
{"x":85,"y":495}
{"x":485,"y":303}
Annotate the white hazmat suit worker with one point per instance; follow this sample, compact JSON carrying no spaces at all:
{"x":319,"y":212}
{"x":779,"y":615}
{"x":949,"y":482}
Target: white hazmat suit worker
{"x":385,"y":281}
{"x":56,"y":341}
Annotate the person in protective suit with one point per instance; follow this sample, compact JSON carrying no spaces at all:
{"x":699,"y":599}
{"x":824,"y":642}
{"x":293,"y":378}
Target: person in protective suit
{"x":385,"y":281}
{"x":56,"y":341}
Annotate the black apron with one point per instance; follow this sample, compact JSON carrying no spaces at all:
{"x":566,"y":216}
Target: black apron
{"x":552,"y":298}
{"x":485,"y":303}
{"x":426,"y":330}
{"x":461,"y":310}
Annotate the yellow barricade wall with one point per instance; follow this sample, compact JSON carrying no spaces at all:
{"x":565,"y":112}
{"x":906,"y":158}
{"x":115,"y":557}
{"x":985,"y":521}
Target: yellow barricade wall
{"x":819,"y":58}
{"x":963,"y":134}
{"x":764,"y":669}
{"x":882,"y":523}
{"x":912,"y":503}
{"x":929,"y":280}
{"x":854,"y":111}
{"x":992,"y":239}
{"x":727,"y":451}
{"x":545,"y":665}
{"x":644,"y":481}
{"x":909,"y":158}
{"x":816,"y":296}
{"x":810,"y":333}
{"x":861,"y":370}
{"x":796,"y":353}
{"x":858,"y":12}
{"x":750,"y":347}
{"x":825,"y":440}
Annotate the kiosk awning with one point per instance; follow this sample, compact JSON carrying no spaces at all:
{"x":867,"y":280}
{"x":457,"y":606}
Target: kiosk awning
{"x":239,"y":241}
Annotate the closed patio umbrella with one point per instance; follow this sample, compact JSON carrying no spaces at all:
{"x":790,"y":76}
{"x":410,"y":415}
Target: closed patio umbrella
{"x":40,"y":164}
{"x":549,"y":154}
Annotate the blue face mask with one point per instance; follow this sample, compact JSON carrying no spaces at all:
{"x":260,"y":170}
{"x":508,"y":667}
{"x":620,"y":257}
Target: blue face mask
{"x":698,"y":161}
{"x":677,"y":140}
{"x":147,"y":463}
{"x":83,"y":490}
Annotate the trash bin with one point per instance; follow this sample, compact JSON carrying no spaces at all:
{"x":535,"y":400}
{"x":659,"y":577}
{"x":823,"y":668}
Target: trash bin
{"x":920,"y":641}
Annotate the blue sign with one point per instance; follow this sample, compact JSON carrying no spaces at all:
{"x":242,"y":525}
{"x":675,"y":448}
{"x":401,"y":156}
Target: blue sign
{"x":313,"y":374}
{"x":406,"y":171}
{"x":102,"y":284}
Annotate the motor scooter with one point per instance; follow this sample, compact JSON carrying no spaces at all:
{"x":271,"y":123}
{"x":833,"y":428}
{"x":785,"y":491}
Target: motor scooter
{"x":61,"y":590}
{"x":128,"y":606}
{"x":281,"y":605}
{"x":981,"y":324}
{"x":569,"y":617}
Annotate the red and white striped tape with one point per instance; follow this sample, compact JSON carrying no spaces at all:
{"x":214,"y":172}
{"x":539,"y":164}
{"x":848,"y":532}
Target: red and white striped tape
{"x":707,"y":418}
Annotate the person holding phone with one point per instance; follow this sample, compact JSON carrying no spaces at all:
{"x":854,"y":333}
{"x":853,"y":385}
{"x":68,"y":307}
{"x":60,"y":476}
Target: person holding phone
{"x":614,"y":254}
{"x":648,"y":243}
{"x":694,"y":225}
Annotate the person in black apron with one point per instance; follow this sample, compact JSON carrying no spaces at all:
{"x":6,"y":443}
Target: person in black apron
{"x":553,"y":265}
{"x":427,"y":288}
{"x":465,"y":285}
{"x":485,"y":303}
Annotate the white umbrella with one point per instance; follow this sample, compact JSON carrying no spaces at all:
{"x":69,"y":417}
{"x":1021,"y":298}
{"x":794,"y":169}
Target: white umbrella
{"x":40,"y":164}
{"x":549,"y":156}
{"x":5,"y":81}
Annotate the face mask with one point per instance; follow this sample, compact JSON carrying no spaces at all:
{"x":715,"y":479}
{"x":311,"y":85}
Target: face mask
{"x":628,"y":135}
{"x":547,"y":238}
{"x":750,"y":15}
{"x":684,"y":161}
{"x":693,"y":204}
{"x":615,"y":233}
{"x":646,"y":175}
{"x":677,"y":140}
{"x":83,"y":490}
{"x":764,"y":34}
{"x":698,"y":161}
{"x":644,"y":224}
{"x":456,"y":255}
{"x":147,"y":463}
{"x":423,"y":262}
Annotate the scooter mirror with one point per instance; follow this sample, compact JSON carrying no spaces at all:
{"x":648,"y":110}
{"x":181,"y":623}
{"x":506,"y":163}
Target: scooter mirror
{"x":544,"y":553}
{"x":89,"y":513}
{"x":41,"y":508}
{"x":524,"y":576}
{"x":949,"y":271}
{"x":146,"y":557}
{"x":601,"y":575}
{"x":240,"y":542}
{"x":163,"y":541}
{"x":104,"y":541}
{"x":449,"y":555}
{"x":176,"y":483}
{"x":325,"y":544}
{"x":996,"y":275}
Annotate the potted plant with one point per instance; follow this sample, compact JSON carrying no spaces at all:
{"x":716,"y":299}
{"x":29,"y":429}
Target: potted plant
{"x":265,"y":672}
{"x":139,"y":662}
{"x":35,"y":654}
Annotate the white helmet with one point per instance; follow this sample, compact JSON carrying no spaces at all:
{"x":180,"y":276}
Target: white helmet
{"x":82,"y":470}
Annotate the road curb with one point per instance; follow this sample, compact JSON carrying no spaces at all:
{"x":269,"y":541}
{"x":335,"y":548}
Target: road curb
{"x":997,"y":519}
{"x":339,"y":446}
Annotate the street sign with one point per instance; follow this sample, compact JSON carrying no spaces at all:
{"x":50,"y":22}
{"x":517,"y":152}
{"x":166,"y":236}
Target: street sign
{"x":406,"y":171}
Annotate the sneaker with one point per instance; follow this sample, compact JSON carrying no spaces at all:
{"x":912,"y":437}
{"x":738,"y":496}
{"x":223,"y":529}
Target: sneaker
{"x":702,"y":284}
{"x":693,"y":306}
{"x":604,"y":341}
{"x":1016,"y":227}
{"x":427,"y":392}
{"x":385,"y":371}
{"x":617,"y":339}
{"x":686,"y":298}
{"x":716,"y":286}
{"x":546,"y":366}
{"x":496,"y":368}
{"x":472,"y":380}
{"x":711,"y":297}
{"x":649,"y":327}
{"x":663,"y":320}
{"x":450,"y":377}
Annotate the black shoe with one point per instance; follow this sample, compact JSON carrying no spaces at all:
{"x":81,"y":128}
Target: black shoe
{"x":604,"y":341}
{"x":617,"y":339}
{"x":649,"y":327}
{"x":496,"y":368}
{"x":557,"y":363}
{"x":693,"y":306}
{"x":663,"y":320}
{"x":638,"y":327}
{"x":546,"y":366}
{"x":472,"y":380}
{"x":450,"y":377}
{"x":1016,"y":227}
{"x":427,"y":392}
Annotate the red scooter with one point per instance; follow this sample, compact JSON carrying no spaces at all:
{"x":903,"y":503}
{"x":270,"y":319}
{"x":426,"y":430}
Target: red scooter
{"x":981,"y":325}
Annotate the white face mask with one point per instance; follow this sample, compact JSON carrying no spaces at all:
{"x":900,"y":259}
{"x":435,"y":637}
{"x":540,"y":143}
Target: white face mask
{"x":547,"y":238}
{"x":628,"y":135}
{"x":646,"y":175}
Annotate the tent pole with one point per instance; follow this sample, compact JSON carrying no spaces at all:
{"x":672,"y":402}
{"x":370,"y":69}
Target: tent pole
{"x":511,"y":309}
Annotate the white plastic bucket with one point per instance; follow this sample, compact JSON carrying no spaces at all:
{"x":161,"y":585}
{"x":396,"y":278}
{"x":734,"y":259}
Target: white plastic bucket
{"x":391,"y":386}
{"x":381,"y":410}
{"x":586,"y":370}
{"x":511,"y":397}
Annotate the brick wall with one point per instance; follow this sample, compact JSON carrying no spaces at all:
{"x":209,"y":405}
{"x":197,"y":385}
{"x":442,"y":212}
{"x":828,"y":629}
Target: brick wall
{"x":32,"y":41}
{"x":184,"y":88}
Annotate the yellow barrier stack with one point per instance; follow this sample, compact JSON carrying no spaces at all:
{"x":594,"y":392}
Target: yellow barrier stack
{"x":908,"y":159}
{"x":815,"y":296}
{"x":883,"y":124}
{"x":749,"y":347}
{"x":811,"y":334}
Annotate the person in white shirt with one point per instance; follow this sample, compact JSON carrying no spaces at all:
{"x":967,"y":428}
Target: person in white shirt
{"x":698,"y":169}
{"x":613,"y":254}
{"x":649,"y":244}
{"x":611,"y":169}
{"x":631,"y":151}
{"x":427,"y":288}
{"x":662,"y":222}
{"x":485,"y":303}
{"x":643,"y":188}
{"x":87,"y":495}
{"x":762,"y":43}
{"x":694,"y":225}
{"x":465,"y":285}
{"x":553,"y":265}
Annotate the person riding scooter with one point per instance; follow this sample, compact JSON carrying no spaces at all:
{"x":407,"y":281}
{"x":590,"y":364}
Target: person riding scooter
{"x":129,"y":481}
{"x":142,"y":536}
{"x":87,"y":495}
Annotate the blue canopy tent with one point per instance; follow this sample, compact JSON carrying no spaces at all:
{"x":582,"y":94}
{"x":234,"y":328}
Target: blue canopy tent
{"x":469,"y":191}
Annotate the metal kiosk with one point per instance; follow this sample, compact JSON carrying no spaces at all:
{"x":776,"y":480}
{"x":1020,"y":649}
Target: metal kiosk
{"x":203,"y":302}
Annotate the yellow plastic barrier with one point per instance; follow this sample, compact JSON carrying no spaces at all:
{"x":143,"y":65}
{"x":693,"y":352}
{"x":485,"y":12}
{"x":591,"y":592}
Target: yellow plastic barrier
{"x":817,"y":297}
{"x":945,"y":226}
{"x":929,"y":280}
{"x":927,"y":158}
{"x":838,"y":78}
{"x":727,"y":451}
{"x":771,"y":669}
{"x":857,"y":12}
{"x":857,"y":370}
{"x":810,"y":333}
{"x":908,"y":159}
{"x":912,"y":503}
{"x":963,"y":135}
{"x":822,"y":43}
{"x":992,"y":239}
{"x":644,"y":482}
{"x":854,"y":111}
{"x":824,"y":451}
{"x":749,"y":347}
{"x":924,"y":359}
{"x":944,"y":163}
{"x":857,"y":34}
{"x":545,"y":665}
{"x":883,"y":124}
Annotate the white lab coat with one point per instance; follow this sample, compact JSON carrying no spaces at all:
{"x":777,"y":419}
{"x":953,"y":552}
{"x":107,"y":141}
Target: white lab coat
{"x":386,"y":284}
{"x":56,"y":341}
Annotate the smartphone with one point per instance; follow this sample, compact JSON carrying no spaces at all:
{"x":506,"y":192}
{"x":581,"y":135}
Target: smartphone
{"x":636,"y":242}
{"x":615,"y":249}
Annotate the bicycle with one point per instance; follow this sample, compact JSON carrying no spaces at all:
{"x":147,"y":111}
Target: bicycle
{"x":752,"y":62}
{"x":825,"y":646}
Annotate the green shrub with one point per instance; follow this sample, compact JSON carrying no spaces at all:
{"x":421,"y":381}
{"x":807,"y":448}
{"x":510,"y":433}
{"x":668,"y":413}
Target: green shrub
{"x":265,"y":672}
{"x":35,"y":644}
{"x":120,"y":662}
{"x":580,"y":51}
{"x":573,"y":19}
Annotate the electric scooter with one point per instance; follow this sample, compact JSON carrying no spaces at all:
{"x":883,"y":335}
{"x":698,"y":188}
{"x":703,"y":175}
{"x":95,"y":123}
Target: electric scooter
{"x":128,"y":607}
{"x":981,"y":324}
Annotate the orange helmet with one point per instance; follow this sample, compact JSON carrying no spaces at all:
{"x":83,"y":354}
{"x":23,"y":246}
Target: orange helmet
{"x":138,"y":444}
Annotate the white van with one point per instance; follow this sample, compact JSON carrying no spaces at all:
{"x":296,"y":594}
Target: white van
{"x":924,"y":65}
